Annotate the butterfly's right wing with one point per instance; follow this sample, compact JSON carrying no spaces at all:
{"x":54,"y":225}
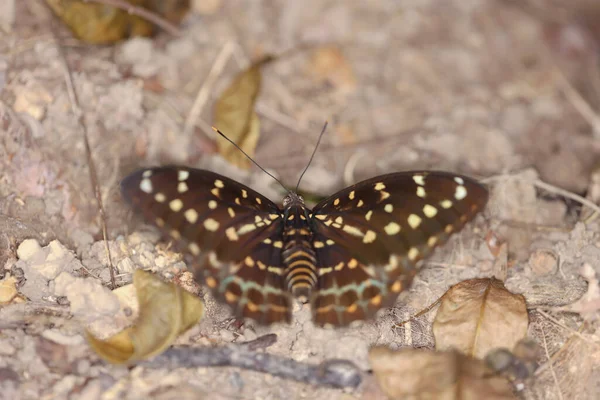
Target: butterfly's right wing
{"x":371,"y":236}
{"x":233,"y":233}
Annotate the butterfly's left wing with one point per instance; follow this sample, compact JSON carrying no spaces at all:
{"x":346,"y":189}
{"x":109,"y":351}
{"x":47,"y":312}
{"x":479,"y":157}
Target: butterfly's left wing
{"x":370,"y":236}
{"x":232,"y":233}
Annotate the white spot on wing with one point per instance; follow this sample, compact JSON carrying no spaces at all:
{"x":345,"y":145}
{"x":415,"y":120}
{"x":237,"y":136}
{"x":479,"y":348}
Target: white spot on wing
{"x":182,"y":175}
{"x":419,"y":179}
{"x":147,"y":174}
{"x":459,"y":180}
{"x":460,"y":193}
{"x":146,"y":185}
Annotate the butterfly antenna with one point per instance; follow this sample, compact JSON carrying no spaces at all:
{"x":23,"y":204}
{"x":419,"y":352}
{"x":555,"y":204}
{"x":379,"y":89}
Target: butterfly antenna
{"x":311,"y":157}
{"x":249,"y":158}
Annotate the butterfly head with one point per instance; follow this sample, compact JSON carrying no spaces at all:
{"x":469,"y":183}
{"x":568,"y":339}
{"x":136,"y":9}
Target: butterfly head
{"x":293,"y":199}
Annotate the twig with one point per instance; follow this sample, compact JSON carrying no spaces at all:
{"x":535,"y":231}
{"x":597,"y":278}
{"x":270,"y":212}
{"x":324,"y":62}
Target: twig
{"x":261,"y":342}
{"x":550,"y":188}
{"x":206,"y":88}
{"x":554,"y":377}
{"x":76,"y":109}
{"x":141,"y":12}
{"x":580,"y":104}
{"x":561,"y":325}
{"x":333,"y":373}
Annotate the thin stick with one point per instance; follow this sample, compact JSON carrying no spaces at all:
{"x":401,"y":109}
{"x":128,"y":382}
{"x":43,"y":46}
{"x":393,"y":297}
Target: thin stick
{"x":76,"y":109}
{"x":561,"y":325}
{"x":141,"y":12}
{"x":333,"y":373}
{"x":580,"y":104}
{"x":204,"y":92}
{"x":550,"y":188}
{"x":554,"y":377}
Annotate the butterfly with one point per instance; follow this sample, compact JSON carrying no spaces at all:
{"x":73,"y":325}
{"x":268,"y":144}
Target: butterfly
{"x":348,"y":256}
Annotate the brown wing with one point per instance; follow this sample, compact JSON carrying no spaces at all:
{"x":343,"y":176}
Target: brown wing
{"x":230,"y":230}
{"x":371,"y":235}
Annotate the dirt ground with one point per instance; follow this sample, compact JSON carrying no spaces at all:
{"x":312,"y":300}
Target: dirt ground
{"x":505,"y":91}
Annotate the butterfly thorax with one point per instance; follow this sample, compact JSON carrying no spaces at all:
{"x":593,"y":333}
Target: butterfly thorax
{"x":298,"y":254}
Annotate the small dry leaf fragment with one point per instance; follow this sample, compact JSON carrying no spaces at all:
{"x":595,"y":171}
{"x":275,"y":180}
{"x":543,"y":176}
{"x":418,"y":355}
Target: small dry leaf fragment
{"x":329,"y":64}
{"x":166,"y":311}
{"x":235,"y":115}
{"x":478,"y":315}
{"x":424,"y":374}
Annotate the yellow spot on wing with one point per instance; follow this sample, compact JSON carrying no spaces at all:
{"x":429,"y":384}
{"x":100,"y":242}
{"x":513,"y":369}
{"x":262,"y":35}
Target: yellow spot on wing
{"x":360,"y":203}
{"x":392,"y":228}
{"x":352,"y":263}
{"x":369,"y":237}
{"x":176,"y":205}
{"x":446,"y":204}
{"x":388,"y":208}
{"x":336,"y":202}
{"x":379,"y":186}
{"x":244,"y":193}
{"x":351,"y":195}
{"x":421,"y":191}
{"x":231,"y":234}
{"x":194,"y":249}
{"x":212,"y":204}
{"x":246,"y":228}
{"x":318,"y":244}
{"x":249,"y":261}
{"x":396,"y":287}
{"x":211,"y":224}
{"x":414,"y":221}
{"x":352,"y":230}
{"x":160,"y":197}
{"x":211,"y":282}
{"x":413,"y":253}
{"x":215,"y":192}
{"x":191,"y":215}
{"x":182,"y":187}
{"x":368,"y":215}
{"x":429,"y":211}
{"x":219,"y":184}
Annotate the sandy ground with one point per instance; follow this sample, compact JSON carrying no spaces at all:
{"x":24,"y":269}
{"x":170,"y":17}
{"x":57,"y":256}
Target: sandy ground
{"x":487,"y":88}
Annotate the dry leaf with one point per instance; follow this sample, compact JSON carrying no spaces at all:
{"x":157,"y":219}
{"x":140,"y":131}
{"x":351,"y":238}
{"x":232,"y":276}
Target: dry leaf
{"x":423,"y":374}
{"x":478,"y":315}
{"x":101,"y":24}
{"x":166,"y":311}
{"x":235,"y":115}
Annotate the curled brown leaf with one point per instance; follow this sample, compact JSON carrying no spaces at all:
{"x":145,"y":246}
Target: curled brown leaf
{"x":166,"y":311}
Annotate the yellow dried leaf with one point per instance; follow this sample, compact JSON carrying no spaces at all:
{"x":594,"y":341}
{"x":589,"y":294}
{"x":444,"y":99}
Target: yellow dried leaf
{"x":478,"y":315}
{"x":101,"y":24}
{"x":166,"y":311}
{"x":424,"y":374}
{"x":8,"y":290}
{"x":235,"y":115}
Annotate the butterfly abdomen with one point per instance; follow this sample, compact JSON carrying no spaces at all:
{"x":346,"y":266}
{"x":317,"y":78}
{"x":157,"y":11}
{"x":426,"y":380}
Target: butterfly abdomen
{"x":298,"y":255}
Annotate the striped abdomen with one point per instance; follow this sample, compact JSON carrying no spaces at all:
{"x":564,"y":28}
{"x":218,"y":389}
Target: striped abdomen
{"x":298,"y":256}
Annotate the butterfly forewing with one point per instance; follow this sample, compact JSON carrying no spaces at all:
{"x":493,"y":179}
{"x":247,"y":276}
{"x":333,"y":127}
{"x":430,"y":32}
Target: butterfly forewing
{"x":228,"y":228}
{"x":370,"y":237}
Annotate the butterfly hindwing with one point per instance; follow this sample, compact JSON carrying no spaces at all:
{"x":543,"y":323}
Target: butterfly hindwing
{"x":229,"y":229}
{"x":370,"y":237}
